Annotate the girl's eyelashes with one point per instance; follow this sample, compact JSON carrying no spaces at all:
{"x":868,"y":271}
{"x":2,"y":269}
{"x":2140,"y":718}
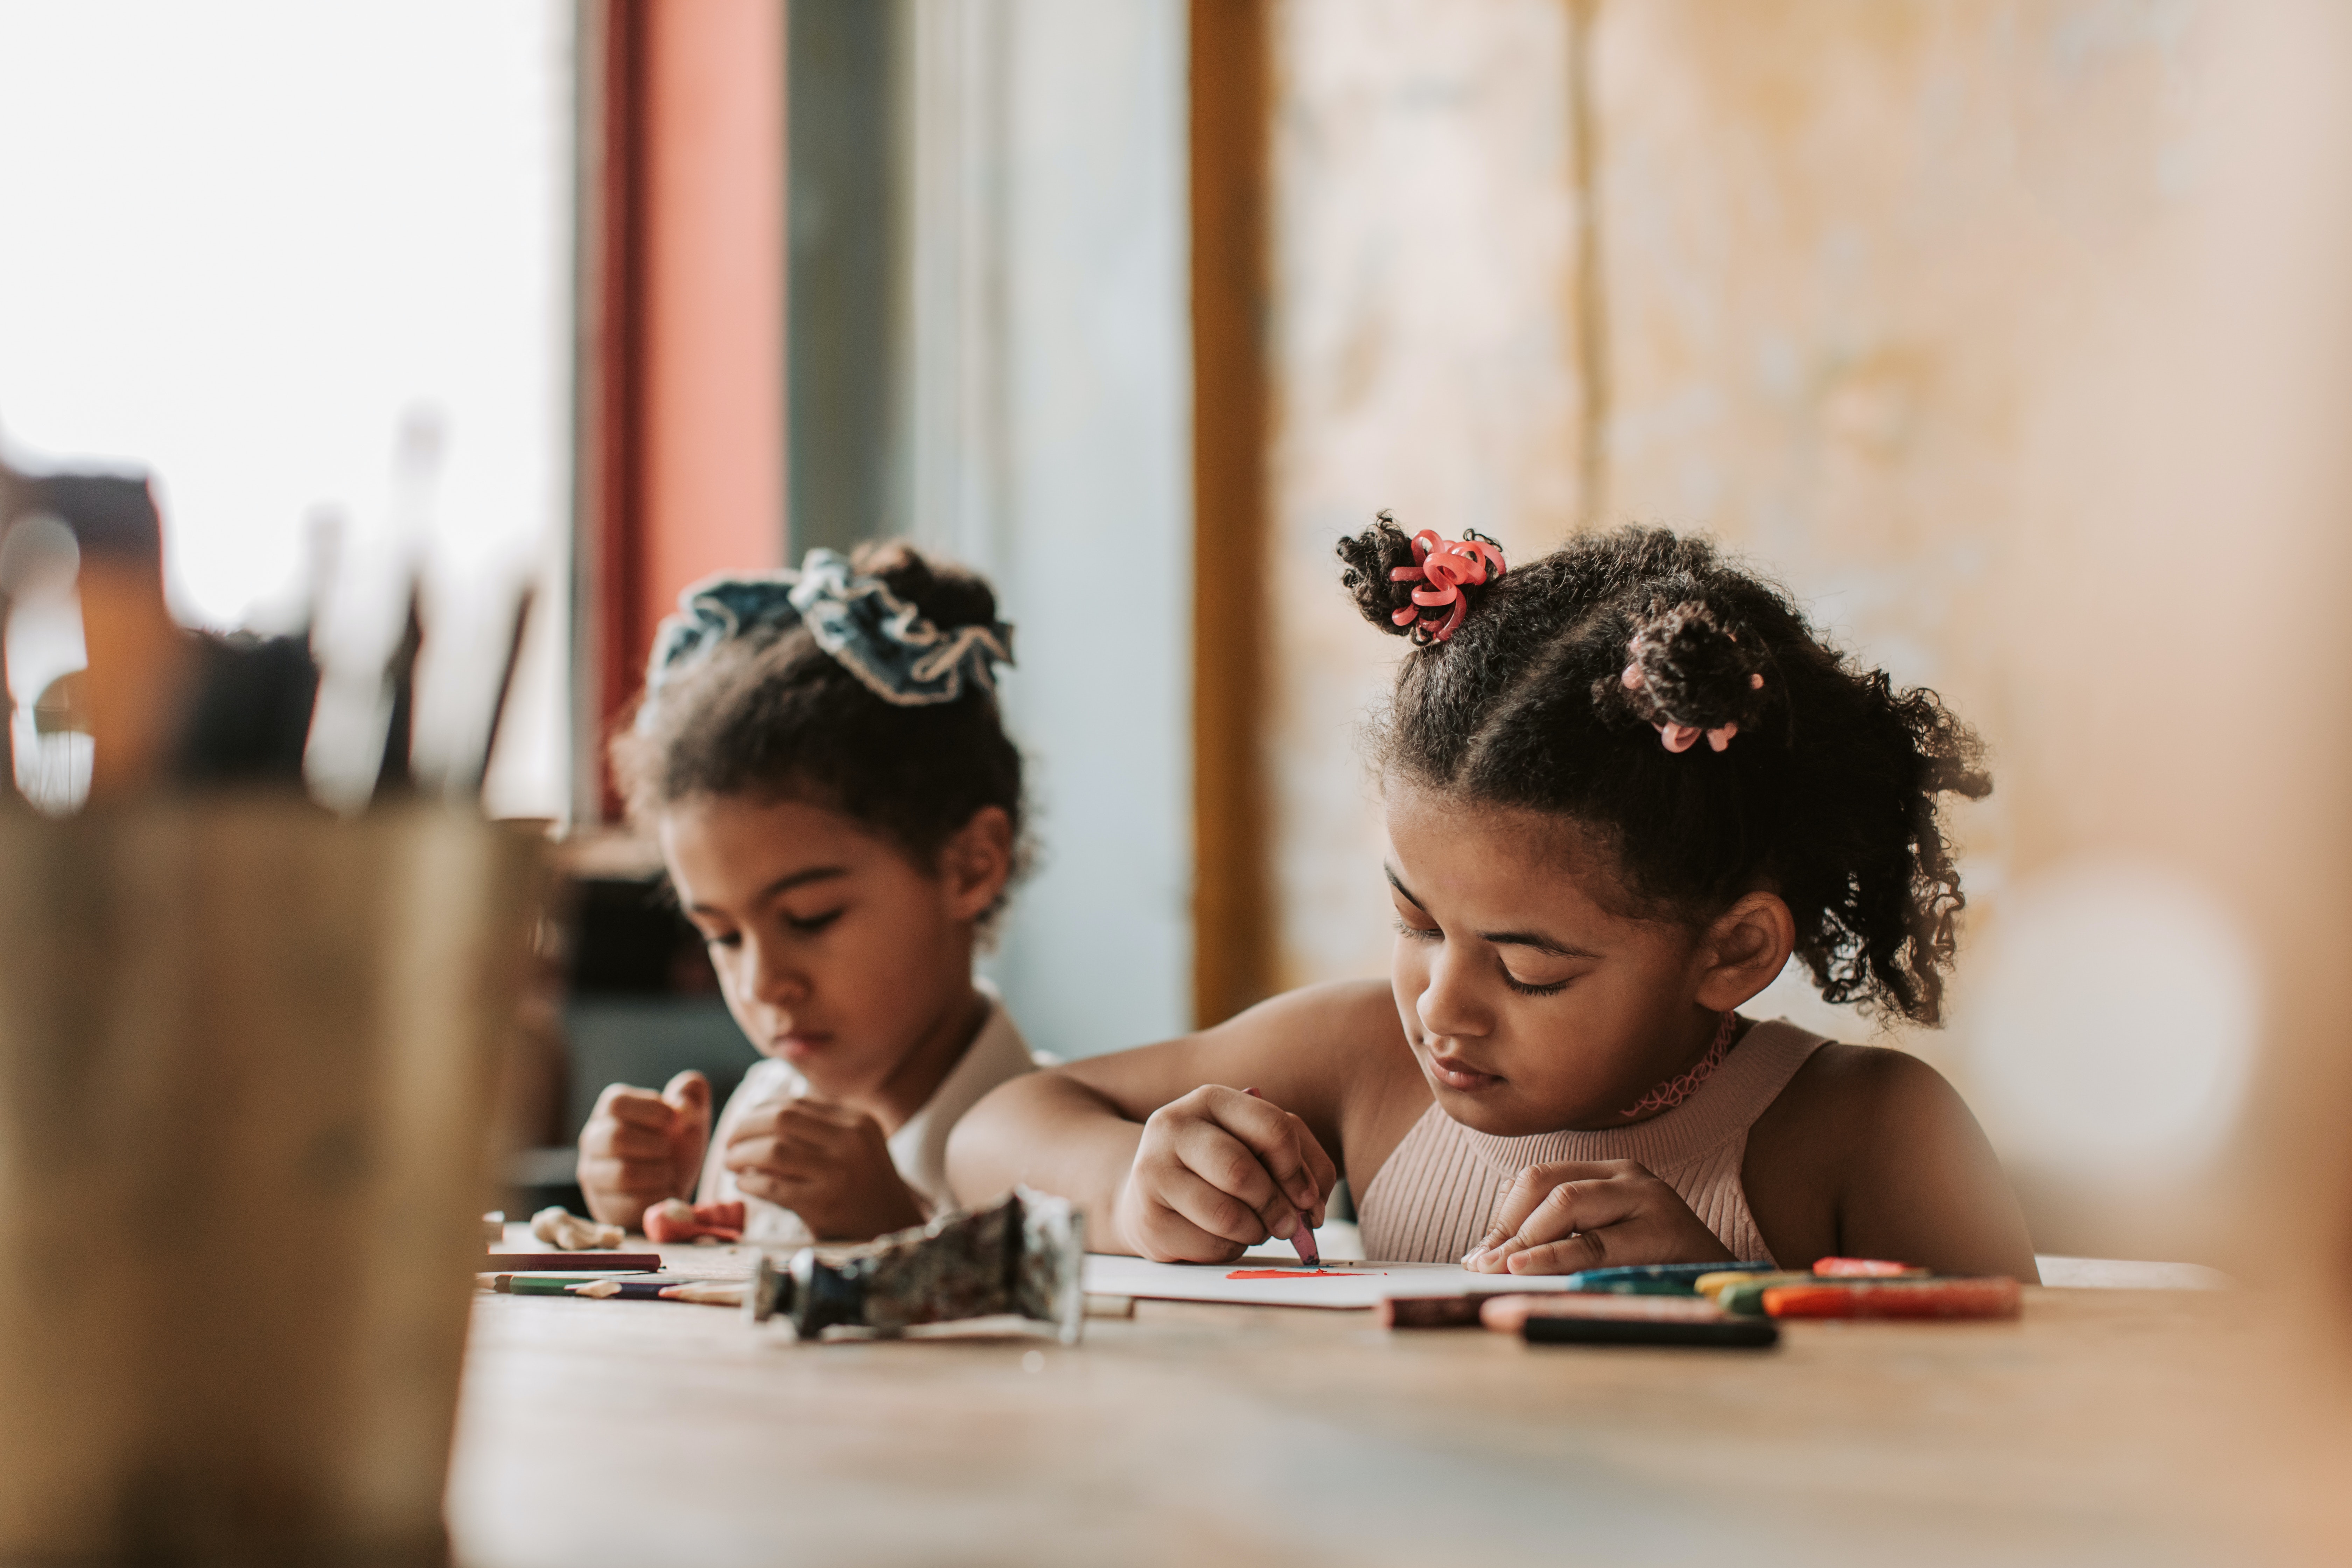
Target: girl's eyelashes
{"x":810,"y":925}
{"x":1405,"y":928}
{"x":1524,"y":989}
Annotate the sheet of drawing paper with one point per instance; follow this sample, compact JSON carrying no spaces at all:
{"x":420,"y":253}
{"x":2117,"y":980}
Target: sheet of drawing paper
{"x":1269,"y":1283}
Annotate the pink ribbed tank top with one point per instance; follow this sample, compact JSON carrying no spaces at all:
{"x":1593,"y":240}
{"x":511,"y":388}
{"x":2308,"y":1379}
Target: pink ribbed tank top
{"x":1431,"y":1201}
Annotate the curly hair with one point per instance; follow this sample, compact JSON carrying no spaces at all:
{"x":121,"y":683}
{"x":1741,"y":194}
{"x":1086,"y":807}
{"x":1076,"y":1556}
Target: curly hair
{"x":773,"y":716}
{"x":1829,"y":794}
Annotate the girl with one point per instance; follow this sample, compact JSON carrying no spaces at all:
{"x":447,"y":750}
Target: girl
{"x":1623,"y":784}
{"x":819,"y":757}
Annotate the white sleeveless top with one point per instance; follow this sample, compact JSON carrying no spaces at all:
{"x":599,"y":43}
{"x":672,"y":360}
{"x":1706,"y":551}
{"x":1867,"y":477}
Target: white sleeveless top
{"x":1433,"y":1198}
{"x":919,"y":1149}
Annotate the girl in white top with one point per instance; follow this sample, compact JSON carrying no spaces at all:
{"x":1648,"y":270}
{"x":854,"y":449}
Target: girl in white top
{"x":820,"y":756}
{"x":919,"y":1149}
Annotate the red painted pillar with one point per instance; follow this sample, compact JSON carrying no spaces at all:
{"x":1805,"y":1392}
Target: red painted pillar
{"x":683,"y":359}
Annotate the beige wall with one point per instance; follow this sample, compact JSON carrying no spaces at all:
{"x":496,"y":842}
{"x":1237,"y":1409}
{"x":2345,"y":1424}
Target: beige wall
{"x":1425,"y":362}
{"x":2013,"y":337}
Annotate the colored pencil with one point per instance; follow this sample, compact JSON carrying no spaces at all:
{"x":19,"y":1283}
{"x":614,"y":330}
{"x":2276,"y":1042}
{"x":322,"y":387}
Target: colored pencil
{"x":559,"y":1285}
{"x":570,"y":1262}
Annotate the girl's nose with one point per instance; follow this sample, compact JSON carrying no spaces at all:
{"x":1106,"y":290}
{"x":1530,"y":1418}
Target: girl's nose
{"x":1449,"y":1004}
{"x":769,"y":980}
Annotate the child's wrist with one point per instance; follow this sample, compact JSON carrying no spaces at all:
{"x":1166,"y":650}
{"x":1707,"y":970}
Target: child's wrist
{"x":1114,"y":1213}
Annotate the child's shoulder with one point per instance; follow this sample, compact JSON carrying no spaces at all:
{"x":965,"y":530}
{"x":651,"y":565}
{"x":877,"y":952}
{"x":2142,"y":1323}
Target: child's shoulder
{"x":1856,"y":1100}
{"x":1870,"y":1152}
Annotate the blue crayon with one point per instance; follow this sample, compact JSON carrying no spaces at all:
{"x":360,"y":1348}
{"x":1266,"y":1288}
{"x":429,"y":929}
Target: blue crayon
{"x":1651,"y":1278}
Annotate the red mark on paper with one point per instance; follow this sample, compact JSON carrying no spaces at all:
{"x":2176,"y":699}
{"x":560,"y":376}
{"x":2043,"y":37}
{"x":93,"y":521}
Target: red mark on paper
{"x":1303,"y":1273}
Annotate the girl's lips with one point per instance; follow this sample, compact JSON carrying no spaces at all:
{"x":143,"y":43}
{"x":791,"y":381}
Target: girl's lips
{"x":800,"y":1048}
{"x":1458,"y":1075}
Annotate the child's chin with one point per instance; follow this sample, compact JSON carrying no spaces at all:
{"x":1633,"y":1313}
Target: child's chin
{"x":1499,"y":1114}
{"x":1490,"y":1110}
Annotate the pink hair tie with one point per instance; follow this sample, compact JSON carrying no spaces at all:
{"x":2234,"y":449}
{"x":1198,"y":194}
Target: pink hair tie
{"x":1446,"y":565}
{"x":1679,"y":738}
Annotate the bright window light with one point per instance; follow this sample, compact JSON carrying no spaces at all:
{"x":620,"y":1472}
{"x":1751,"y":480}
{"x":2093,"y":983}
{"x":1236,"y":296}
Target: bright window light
{"x":309,"y":261}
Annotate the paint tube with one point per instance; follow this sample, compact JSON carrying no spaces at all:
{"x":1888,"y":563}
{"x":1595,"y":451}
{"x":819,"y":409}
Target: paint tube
{"x":1019,"y":1256}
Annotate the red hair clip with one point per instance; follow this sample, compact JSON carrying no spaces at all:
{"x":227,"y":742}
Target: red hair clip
{"x":1446,"y":565}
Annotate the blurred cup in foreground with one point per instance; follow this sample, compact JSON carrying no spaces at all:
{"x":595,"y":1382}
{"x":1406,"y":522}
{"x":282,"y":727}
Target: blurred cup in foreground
{"x":248,"y":1055}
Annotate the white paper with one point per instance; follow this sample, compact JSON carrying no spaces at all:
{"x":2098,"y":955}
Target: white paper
{"x":1347,"y":1285}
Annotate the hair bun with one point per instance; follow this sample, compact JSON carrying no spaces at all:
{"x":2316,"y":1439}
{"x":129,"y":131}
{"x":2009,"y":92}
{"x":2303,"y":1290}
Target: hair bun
{"x":1418,"y":585}
{"x":1694,"y":669}
{"x":1373,"y":558}
{"x":948,"y":595}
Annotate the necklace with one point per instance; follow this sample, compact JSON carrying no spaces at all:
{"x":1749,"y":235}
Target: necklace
{"x":1675,"y":1090}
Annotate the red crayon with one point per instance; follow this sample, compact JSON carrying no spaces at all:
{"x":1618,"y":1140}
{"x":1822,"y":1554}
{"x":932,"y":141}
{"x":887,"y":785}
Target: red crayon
{"x":1863,"y":1268}
{"x":1994,"y":1297}
{"x":1304,"y":1237}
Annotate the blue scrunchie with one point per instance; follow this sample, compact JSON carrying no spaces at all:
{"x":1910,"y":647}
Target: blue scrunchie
{"x":885,"y":642}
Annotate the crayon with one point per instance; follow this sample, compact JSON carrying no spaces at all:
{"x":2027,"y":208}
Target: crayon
{"x":1729,"y":1333}
{"x":1681,"y":1274}
{"x":1865,"y":1268}
{"x":1303,"y":1239}
{"x":1633,"y":1288}
{"x":1429,"y":1312}
{"x":1712,"y":1286}
{"x":1745,"y":1298}
{"x":1998,"y":1297}
{"x":1509,"y":1314}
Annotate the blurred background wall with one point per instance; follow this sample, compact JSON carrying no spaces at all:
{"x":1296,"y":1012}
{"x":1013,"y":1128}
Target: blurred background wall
{"x":2011,"y":335}
{"x":1041,"y":431}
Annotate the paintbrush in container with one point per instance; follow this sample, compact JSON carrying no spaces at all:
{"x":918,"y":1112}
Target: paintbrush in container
{"x":395,"y":774}
{"x":480,"y":772}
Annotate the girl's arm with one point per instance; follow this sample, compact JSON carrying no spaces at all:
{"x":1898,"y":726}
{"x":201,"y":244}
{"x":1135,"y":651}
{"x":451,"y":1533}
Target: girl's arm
{"x":1870,"y":1154}
{"x":1161,"y":1148}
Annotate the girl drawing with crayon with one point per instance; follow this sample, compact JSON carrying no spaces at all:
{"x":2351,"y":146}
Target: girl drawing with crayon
{"x":820,"y":756}
{"x":1623,"y":784}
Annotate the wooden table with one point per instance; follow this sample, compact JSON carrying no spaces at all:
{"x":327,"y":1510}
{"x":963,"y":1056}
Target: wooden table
{"x":2107,"y":1427}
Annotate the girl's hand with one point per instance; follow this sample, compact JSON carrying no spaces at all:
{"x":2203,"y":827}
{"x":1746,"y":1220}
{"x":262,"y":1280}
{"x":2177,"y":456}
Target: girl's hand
{"x":1575,"y":1214}
{"x":1217,"y":1172}
{"x":640,"y":1147}
{"x":824,"y":1161}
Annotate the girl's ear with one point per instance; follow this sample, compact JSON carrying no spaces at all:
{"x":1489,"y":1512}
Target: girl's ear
{"x":1745,"y":950}
{"x":976,"y":864}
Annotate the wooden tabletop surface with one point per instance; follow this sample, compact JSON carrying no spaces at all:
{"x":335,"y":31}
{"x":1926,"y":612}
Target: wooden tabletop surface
{"x":2106,"y":1427}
